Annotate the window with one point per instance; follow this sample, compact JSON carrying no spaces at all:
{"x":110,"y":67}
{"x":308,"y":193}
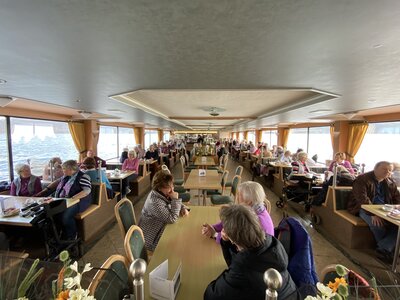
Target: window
{"x":150,"y":137}
{"x":107,"y":147}
{"x":126,"y":138}
{"x":241,"y":136}
{"x":167,"y":136}
{"x":297,"y":139}
{"x":381,"y":142}
{"x":320,"y":143}
{"x":251,"y":137}
{"x":36,"y":141}
{"x":313,"y":140}
{"x":4,"y":169}
{"x":270,"y":137}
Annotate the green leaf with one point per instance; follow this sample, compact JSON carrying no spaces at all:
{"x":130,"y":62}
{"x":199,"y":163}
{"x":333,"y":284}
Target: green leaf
{"x":64,"y":255}
{"x":341,"y":270}
{"x":343,"y":290}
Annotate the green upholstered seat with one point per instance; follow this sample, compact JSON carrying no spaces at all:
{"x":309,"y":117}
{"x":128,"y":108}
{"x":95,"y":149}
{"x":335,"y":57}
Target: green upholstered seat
{"x":179,"y":189}
{"x":185,"y":197}
{"x":179,"y":181}
{"x":136,"y":244}
{"x":127,"y":216}
{"x":221,"y":199}
{"x":238,"y":171}
{"x":223,"y":181}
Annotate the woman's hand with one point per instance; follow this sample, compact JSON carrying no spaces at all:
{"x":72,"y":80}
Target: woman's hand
{"x":173,"y":195}
{"x":208,"y":230}
{"x":184,"y":212}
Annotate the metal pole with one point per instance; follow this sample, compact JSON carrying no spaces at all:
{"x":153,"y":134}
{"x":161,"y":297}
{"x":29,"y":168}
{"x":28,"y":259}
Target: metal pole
{"x":273,"y":280}
{"x":335,"y":170}
{"x":137,"y":270}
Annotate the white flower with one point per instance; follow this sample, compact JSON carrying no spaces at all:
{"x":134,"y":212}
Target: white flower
{"x":311,"y":298}
{"x":22,"y":298}
{"x":80,"y":294}
{"x":325,"y":291}
{"x":74,"y":267}
{"x":69,"y":282}
{"x":87,"y":268}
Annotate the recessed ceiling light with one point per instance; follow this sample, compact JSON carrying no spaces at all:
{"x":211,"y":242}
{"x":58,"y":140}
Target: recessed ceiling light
{"x":3,"y":81}
{"x":371,"y":100}
{"x":376,"y":46}
{"x":318,"y":111}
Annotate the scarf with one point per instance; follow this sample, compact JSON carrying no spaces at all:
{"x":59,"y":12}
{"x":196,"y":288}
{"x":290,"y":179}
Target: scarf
{"x":64,"y":189}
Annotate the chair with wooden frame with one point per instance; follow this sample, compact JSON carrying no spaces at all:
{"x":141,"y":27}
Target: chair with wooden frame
{"x":224,"y":177}
{"x":183,"y":193}
{"x":222,"y":199}
{"x":134,"y":244}
{"x":125,"y":215}
{"x":238,"y":171}
{"x":112,"y":281}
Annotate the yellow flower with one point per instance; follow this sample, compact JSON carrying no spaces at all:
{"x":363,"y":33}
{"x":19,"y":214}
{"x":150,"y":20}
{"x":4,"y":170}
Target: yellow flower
{"x":64,"y":295}
{"x":338,"y":281}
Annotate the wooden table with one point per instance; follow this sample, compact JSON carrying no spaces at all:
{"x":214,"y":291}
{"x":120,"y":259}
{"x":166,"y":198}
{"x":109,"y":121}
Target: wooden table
{"x":112,"y":177}
{"x":378,"y":211}
{"x":209,"y":161}
{"x":201,"y":257}
{"x":212,"y":181}
{"x":18,"y":202}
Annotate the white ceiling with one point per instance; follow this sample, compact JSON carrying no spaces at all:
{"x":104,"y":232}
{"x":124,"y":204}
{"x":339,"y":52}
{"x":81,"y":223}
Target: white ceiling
{"x":79,"y":53}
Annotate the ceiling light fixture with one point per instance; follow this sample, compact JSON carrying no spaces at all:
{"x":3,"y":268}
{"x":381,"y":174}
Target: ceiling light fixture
{"x":214,"y":112}
{"x":3,"y":81}
{"x":318,"y":111}
{"x":85,"y":114}
{"x":5,"y":100}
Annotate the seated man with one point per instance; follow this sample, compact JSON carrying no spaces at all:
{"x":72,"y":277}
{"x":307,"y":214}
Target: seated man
{"x":257,"y":252}
{"x":376,"y":187}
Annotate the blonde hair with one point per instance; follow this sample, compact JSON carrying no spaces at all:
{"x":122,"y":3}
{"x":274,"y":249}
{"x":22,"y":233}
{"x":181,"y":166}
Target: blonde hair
{"x":341,"y":155}
{"x":133,"y":153}
{"x":252,"y":193}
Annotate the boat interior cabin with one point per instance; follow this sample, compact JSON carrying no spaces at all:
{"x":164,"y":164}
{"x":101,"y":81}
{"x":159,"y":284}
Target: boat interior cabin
{"x":235,"y":89}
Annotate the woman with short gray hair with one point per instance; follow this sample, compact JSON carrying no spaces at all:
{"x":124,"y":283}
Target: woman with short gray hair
{"x":25,"y":184}
{"x":256,"y":252}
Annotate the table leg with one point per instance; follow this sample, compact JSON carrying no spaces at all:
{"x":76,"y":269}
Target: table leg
{"x":204,"y":197}
{"x":120,"y":186}
{"x":396,"y":251}
{"x":198,"y":197}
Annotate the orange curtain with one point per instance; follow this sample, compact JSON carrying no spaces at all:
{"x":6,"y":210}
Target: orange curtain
{"x":260,"y":132}
{"x":285,"y":137}
{"x":332,"y":132}
{"x":96,"y":135}
{"x":136,"y":132}
{"x":77,"y":131}
{"x":245,"y":134}
{"x":357,"y":132}
{"x":160,"y":135}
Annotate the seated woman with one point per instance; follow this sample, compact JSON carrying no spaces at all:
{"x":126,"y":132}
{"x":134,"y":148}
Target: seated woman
{"x":250,"y":194}
{"x":124,"y":155}
{"x":76,"y":185}
{"x":162,"y":207}
{"x":256,"y":252}
{"x":97,"y":159}
{"x":300,"y":166}
{"x":25,"y":184}
{"x":340,"y":160}
{"x":90,"y":170}
{"x":152,"y":153}
{"x":286,"y":157}
{"x":57,"y":169}
{"x":130,"y":164}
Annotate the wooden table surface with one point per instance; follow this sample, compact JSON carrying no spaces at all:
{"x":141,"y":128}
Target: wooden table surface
{"x":209,"y":161}
{"x":201,"y":257}
{"x":212,"y":180}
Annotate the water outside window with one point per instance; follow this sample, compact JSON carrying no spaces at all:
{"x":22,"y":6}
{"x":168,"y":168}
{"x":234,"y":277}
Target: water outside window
{"x":126,"y":138}
{"x":270,"y":137}
{"x":251,"y":136}
{"x":297,"y":139}
{"x":320,"y":143}
{"x":150,"y":137}
{"x":37,"y":141}
{"x":381,"y":142}
{"x":167,"y":136}
{"x":107,"y":147}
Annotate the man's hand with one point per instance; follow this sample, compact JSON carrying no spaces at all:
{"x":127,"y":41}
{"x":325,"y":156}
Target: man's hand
{"x":376,"y":221}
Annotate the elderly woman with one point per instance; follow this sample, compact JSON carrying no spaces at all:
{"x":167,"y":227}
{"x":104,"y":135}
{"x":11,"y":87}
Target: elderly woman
{"x":130,"y":164}
{"x":90,"y":169}
{"x":162,"y":207}
{"x":76,"y":185}
{"x":56,"y":163}
{"x":250,"y":194}
{"x":300,"y":166}
{"x":124,"y":155}
{"x":340,"y":160}
{"x":25,"y":184}
{"x":256,"y":252}
{"x":286,"y":157}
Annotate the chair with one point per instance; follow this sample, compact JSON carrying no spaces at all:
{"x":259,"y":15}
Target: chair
{"x":183,"y":194}
{"x":238,"y":171}
{"x":188,"y":165}
{"x":112,"y":280}
{"x":125,"y":215}
{"x":224,"y":164}
{"x":177,"y":181}
{"x":222,"y":199}
{"x":223,"y":181}
{"x":134,"y":244}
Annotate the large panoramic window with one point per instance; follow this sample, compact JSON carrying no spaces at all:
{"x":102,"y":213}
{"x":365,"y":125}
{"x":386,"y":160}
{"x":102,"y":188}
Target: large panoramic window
{"x":4,"y":169}
{"x":320,"y":143}
{"x":126,"y":138}
{"x":107,"y":147}
{"x":241,"y":136}
{"x":381,"y":142}
{"x":270,"y":137}
{"x":297,"y":139}
{"x":36,"y":141}
{"x":251,"y":136}
{"x":167,"y":136}
{"x":150,"y":137}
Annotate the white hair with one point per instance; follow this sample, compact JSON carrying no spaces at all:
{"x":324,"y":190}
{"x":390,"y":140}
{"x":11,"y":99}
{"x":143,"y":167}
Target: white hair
{"x":252,"y":192}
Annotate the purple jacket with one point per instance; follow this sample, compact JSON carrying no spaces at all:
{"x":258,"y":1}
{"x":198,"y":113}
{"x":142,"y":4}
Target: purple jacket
{"x":263,"y":216}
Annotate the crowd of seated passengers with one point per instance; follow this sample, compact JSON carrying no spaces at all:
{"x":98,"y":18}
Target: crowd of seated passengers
{"x":376,"y":187}
{"x":25,"y":184}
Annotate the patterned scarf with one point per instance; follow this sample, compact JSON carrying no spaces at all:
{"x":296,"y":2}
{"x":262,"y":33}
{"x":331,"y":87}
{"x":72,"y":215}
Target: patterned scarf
{"x":259,"y":208}
{"x":63,"y":189}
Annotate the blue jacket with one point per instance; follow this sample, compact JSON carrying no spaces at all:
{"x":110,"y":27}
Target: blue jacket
{"x":301,"y":260}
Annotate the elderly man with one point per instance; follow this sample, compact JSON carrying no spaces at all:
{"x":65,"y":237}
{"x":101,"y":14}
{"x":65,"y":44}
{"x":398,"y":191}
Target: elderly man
{"x":376,"y":187}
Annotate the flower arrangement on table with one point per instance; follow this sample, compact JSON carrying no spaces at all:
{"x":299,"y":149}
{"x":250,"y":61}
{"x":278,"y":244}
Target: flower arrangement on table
{"x":339,"y":289}
{"x":68,"y":284}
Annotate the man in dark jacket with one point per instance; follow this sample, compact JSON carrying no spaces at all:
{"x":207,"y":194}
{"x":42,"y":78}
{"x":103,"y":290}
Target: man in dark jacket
{"x":376,"y":187}
{"x":256,"y":253}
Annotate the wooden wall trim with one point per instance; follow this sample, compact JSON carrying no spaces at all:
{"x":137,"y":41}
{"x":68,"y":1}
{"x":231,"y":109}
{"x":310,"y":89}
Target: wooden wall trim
{"x":26,"y":113}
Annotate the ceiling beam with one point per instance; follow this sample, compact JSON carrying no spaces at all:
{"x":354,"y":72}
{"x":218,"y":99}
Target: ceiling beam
{"x":212,"y":118}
